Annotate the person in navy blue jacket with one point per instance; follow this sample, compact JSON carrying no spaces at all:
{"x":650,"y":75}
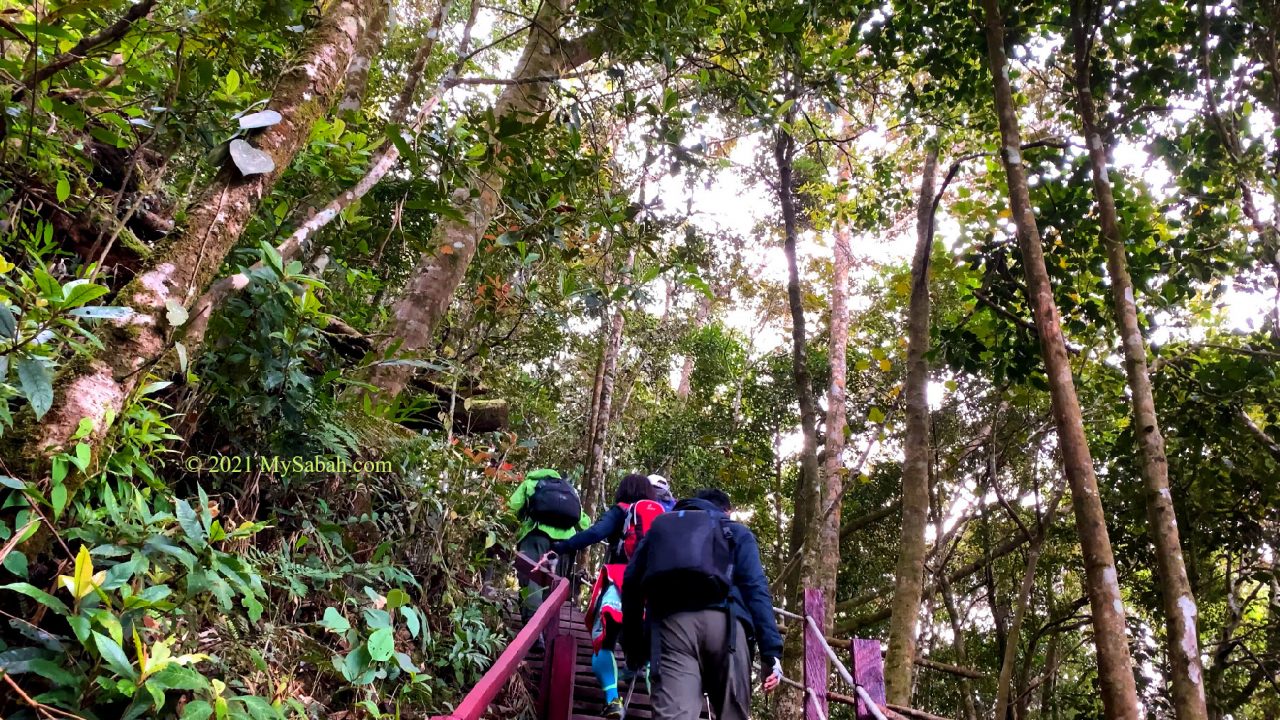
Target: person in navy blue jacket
{"x":690,"y":648}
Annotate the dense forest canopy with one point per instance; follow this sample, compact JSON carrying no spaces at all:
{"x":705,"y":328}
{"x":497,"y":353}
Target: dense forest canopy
{"x":973,"y":307}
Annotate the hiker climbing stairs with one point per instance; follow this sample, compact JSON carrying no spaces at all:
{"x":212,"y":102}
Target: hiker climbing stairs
{"x":588,"y":697}
{"x":563,"y":686}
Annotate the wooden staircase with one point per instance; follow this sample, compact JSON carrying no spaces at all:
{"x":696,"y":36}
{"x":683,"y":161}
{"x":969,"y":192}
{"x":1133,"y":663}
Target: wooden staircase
{"x":588,"y":698}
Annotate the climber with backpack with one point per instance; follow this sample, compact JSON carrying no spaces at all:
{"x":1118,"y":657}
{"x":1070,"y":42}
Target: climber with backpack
{"x":624,"y":527}
{"x":695,"y":583}
{"x":548,"y":509}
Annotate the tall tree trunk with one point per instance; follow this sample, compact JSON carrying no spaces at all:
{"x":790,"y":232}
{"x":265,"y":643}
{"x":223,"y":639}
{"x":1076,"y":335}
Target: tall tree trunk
{"x":909,"y":573}
{"x":97,"y":386}
{"x":804,"y":531}
{"x":826,"y":558}
{"x":1004,"y":687}
{"x":686,"y":370}
{"x":1183,"y":640}
{"x":807,"y":490}
{"x":1048,"y":708}
{"x":1115,"y":668}
{"x":429,"y":290}
{"x":957,"y":643}
{"x":593,"y":478}
{"x":593,"y":409}
{"x":356,"y":84}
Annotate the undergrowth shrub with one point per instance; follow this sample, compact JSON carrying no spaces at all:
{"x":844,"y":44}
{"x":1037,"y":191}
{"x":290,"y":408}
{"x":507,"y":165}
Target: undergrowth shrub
{"x":256,"y":594}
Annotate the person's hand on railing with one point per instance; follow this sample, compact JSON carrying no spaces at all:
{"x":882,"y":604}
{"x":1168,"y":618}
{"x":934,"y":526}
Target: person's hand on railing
{"x":545,"y":561}
{"x":773,"y":666}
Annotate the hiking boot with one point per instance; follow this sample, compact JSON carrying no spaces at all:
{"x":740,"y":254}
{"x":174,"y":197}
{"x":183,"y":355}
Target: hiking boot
{"x":613,"y":709}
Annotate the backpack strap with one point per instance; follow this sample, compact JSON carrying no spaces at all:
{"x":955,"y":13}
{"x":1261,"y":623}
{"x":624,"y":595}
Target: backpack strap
{"x":619,"y":547}
{"x":730,"y":607}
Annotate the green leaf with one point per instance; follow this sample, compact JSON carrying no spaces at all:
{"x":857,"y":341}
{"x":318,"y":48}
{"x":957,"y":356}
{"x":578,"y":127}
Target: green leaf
{"x":39,"y":596}
{"x":232,"y":83}
{"x":82,"y":456}
{"x":80,"y":292}
{"x":190,"y":523}
{"x":8,"y":323}
{"x":110,"y":623}
{"x":333,"y":620}
{"x":381,"y":645}
{"x":63,"y":190}
{"x":356,"y":665}
{"x":378,"y":619}
{"x":197,"y":710}
{"x":16,"y":563}
{"x":412,"y":621}
{"x":406,"y":664}
{"x":51,"y":670}
{"x":18,"y":660}
{"x":121,"y":573}
{"x":83,"y":428}
{"x":876,"y":415}
{"x":165,"y":545}
{"x":113,"y":655}
{"x":36,"y":384}
{"x":58,"y":498}
{"x":49,"y":288}
{"x":178,"y":677}
{"x":12,"y":483}
{"x":397,"y":598}
{"x":155,"y":387}
{"x":80,"y":626}
{"x":259,"y":709}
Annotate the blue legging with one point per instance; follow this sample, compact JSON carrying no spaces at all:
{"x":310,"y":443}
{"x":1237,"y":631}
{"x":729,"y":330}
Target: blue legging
{"x":603,"y":662}
{"x":605,"y":666}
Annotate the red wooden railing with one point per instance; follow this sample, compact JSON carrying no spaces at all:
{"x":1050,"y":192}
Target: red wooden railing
{"x":555,"y":701}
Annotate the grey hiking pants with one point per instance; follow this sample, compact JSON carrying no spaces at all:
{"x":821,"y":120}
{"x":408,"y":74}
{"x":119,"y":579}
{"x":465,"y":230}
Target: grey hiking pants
{"x":534,"y":546}
{"x":692,"y":657}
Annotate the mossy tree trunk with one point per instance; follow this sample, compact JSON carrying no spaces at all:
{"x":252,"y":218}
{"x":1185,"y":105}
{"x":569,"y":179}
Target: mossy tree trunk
{"x":97,"y":386}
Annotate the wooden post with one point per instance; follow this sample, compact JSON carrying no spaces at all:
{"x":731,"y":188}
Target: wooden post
{"x":563,"y":651}
{"x":868,"y":672}
{"x":815,"y":658}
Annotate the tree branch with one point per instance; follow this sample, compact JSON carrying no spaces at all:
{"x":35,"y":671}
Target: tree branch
{"x":106,"y":36}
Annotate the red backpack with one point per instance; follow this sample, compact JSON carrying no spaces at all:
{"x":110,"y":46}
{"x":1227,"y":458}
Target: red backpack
{"x":640,"y":516}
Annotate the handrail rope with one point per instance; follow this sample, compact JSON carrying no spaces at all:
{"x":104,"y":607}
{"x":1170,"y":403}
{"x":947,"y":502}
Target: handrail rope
{"x":810,"y":693}
{"x":835,"y":660}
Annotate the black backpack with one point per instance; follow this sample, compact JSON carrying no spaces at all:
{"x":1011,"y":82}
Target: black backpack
{"x":690,"y":560}
{"x":554,"y":502}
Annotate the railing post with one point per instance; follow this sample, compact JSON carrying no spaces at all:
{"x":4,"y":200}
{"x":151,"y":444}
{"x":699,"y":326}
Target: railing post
{"x":815,"y":658}
{"x":868,"y":672}
{"x":563,"y":651}
{"x":549,"y":634}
